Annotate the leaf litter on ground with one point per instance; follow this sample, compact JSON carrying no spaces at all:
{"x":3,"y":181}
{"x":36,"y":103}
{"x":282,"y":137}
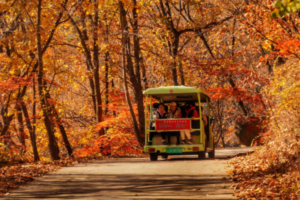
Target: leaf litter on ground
{"x":271,"y":172}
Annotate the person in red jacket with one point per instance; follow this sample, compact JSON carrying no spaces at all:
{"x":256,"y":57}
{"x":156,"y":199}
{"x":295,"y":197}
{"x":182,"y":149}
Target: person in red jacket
{"x":189,"y":112}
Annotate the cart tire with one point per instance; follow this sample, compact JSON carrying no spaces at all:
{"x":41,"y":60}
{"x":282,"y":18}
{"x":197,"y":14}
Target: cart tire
{"x":153,"y":156}
{"x":201,"y":155}
{"x":211,"y":154}
{"x":164,"y":156}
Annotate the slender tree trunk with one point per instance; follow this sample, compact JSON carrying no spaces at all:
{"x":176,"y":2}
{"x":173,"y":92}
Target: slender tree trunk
{"x":139,"y":98}
{"x":88,"y":64}
{"x":62,"y":130}
{"x":31,"y":131}
{"x":136,"y":42}
{"x":181,"y":73}
{"x":174,"y":44}
{"x":174,"y":51}
{"x":21,"y":134}
{"x":33,"y":136}
{"x":92,"y":61}
{"x":52,"y":148}
{"x":113,"y":90}
{"x":65,"y":137}
{"x":106,"y":82}
{"x":126,"y":51}
{"x":106,"y":66}
{"x":92,"y":85}
{"x":96,"y":67}
{"x":59,"y":123}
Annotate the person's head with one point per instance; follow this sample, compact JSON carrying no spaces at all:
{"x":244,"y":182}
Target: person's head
{"x":173,"y":106}
{"x":161,"y":107}
{"x":188,"y":105}
{"x":155,"y":105}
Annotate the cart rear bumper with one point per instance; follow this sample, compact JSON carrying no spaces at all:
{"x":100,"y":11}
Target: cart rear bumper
{"x":174,"y":149}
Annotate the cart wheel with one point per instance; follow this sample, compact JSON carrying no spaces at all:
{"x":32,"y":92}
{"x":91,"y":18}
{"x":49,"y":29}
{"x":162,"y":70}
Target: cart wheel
{"x":211,"y":154}
{"x":153,"y":156}
{"x":201,"y":155}
{"x":164,"y":156}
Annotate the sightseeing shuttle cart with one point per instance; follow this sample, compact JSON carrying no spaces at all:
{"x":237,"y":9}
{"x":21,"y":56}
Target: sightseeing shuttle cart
{"x":180,"y":95}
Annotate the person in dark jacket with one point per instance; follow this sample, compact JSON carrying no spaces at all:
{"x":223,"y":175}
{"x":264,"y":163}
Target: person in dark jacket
{"x":160,"y":113}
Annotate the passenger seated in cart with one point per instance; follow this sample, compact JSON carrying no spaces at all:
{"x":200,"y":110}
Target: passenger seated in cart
{"x":159,"y":113}
{"x":204,"y":118}
{"x":205,"y":122}
{"x":189,"y":112}
{"x":174,"y":112}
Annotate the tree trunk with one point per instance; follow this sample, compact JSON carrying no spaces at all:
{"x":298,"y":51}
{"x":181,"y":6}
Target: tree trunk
{"x":139,"y":98}
{"x":174,"y":51}
{"x":113,"y":90}
{"x":174,"y":44}
{"x":33,"y":136}
{"x":106,"y":66}
{"x":59,"y":123}
{"x":181,"y":73}
{"x":21,"y":134}
{"x":96,"y":67}
{"x":64,"y":136}
{"x":52,"y":148}
{"x":61,"y":129}
{"x":92,"y":85}
{"x":88,"y":64}
{"x":92,"y":63}
{"x":106,"y":82}
{"x":136,"y":43}
{"x":126,"y":51}
{"x":31,"y":131}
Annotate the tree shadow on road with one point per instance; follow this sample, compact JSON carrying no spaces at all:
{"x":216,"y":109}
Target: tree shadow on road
{"x":95,"y":186}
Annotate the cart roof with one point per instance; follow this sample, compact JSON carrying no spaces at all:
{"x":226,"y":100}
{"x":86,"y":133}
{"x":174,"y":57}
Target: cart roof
{"x":177,"y":93}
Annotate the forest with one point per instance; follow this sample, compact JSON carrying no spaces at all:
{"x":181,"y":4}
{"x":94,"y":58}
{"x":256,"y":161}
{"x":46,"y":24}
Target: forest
{"x":73,"y":72}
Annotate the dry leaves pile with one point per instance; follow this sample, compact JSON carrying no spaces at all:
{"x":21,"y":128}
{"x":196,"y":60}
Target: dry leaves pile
{"x":16,"y":175}
{"x":271,"y":172}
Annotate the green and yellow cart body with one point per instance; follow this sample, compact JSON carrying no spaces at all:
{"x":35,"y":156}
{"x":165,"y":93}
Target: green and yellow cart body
{"x":179,"y":94}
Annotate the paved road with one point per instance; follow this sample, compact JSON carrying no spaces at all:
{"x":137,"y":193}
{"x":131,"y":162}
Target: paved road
{"x":183,"y":177}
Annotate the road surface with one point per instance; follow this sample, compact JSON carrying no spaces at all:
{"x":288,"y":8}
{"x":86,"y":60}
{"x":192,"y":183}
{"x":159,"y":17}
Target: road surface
{"x":181,"y":177}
